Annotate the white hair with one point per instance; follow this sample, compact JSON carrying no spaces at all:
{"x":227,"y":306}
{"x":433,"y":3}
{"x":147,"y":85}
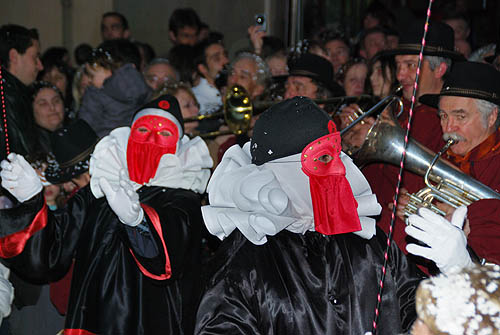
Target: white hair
{"x":263,"y":75}
{"x":434,"y":62}
{"x":486,"y":108}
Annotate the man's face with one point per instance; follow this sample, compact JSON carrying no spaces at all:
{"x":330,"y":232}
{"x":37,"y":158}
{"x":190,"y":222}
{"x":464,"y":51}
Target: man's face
{"x":460,"y":115}
{"x":112,"y":28}
{"x":25,"y":67}
{"x":216,"y":58}
{"x":374,"y":43}
{"x":300,"y":86}
{"x":156,"y":75}
{"x":338,"y":53}
{"x":185,"y":35}
{"x":244,"y":73}
{"x":406,"y":70}
{"x":460,"y":28}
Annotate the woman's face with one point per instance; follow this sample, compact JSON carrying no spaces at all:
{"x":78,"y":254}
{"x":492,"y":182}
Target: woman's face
{"x":56,"y":78}
{"x":354,"y":82}
{"x":380,"y":86}
{"x":50,"y":193}
{"x":48,"y":109}
{"x":189,"y":108}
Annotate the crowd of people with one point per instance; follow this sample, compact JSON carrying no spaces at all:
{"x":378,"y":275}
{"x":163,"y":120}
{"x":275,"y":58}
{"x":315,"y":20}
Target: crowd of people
{"x":129,"y":207}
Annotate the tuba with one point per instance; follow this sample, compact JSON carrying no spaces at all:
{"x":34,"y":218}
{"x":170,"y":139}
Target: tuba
{"x":445,"y":182}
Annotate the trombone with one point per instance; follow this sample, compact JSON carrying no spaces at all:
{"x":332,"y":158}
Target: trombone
{"x":238,"y":110}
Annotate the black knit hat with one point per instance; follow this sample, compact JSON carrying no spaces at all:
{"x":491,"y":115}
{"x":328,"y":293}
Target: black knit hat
{"x":439,"y":41}
{"x":71,"y":146}
{"x":471,"y":80}
{"x":286,"y":128}
{"x":317,"y":68}
{"x":166,"y":106}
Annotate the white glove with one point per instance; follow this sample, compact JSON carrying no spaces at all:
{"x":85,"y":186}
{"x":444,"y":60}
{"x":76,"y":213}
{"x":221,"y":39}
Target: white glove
{"x":124,"y":201}
{"x":447,"y":244}
{"x":19,"y":178}
{"x":6,"y":297}
{"x":6,"y":292}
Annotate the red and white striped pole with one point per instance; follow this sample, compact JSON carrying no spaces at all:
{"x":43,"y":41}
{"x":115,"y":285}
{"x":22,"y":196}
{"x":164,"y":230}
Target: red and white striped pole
{"x":401,"y":169}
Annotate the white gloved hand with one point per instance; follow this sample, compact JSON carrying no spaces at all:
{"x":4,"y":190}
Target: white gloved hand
{"x":447,"y":244}
{"x":124,"y":201}
{"x":6,"y":297}
{"x":19,"y":178}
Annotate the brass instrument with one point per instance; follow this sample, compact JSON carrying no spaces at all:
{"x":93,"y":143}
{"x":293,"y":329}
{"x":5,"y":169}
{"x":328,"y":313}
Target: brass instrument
{"x":237,"y":113}
{"x":238,"y":110}
{"x":445,"y":182}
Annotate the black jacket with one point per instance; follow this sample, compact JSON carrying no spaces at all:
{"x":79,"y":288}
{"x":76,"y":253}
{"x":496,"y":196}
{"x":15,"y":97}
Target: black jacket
{"x":21,"y":128}
{"x":114,"y":104}
{"x":306,"y":284}
{"x":110,"y":294}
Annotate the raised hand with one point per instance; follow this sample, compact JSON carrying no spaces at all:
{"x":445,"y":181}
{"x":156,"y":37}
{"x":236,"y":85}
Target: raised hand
{"x":124,"y":201}
{"x":19,"y":177}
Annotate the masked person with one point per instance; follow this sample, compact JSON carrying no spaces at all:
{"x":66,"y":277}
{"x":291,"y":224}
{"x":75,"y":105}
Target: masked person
{"x":299,"y":253}
{"x":134,"y":232}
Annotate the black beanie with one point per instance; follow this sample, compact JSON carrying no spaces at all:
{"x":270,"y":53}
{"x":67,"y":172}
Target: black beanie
{"x":286,"y":128}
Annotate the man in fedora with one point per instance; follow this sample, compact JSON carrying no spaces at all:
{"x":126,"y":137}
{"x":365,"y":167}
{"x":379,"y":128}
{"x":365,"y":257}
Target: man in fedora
{"x":133,"y":232}
{"x":296,"y":257}
{"x":312,"y":76}
{"x":468,"y":109}
{"x":425,"y":128}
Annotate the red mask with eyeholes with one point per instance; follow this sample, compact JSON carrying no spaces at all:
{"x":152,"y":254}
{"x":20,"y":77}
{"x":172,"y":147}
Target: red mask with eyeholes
{"x":334,"y":206}
{"x":151,"y":137}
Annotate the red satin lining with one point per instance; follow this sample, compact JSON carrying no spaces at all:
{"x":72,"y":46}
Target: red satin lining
{"x":12,"y":245}
{"x":77,"y":332}
{"x":153,"y":216}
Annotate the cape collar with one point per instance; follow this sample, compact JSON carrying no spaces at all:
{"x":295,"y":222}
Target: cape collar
{"x":264,"y":200}
{"x":188,"y":169}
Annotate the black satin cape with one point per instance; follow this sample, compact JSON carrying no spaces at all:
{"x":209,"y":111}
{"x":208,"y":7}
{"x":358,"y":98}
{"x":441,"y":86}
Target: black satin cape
{"x":307,"y":284}
{"x":109,"y":294}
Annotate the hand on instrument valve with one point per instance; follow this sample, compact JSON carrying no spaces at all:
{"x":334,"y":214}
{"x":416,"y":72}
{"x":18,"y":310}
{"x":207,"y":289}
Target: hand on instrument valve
{"x":355,"y":137}
{"x":19,"y":177}
{"x":124,"y":201}
{"x":403,"y":200}
{"x":446,"y":242}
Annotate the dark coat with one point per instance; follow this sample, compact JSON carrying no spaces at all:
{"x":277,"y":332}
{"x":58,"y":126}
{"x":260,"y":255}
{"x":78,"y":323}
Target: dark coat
{"x":110,"y":294}
{"x":114,"y":104}
{"x":20,"y":121}
{"x":306,"y":284}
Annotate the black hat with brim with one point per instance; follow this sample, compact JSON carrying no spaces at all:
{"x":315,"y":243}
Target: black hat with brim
{"x":317,"y":68}
{"x":439,"y":41}
{"x":71,"y":146}
{"x":471,"y":80}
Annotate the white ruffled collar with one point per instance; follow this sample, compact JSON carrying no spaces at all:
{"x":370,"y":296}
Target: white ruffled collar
{"x":188,"y":169}
{"x":264,"y":200}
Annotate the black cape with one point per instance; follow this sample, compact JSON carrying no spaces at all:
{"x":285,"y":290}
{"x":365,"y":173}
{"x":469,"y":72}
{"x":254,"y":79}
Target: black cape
{"x":109,"y":293}
{"x":307,"y":284}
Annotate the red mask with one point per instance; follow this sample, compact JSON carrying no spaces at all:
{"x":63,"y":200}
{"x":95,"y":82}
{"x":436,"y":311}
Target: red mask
{"x":150,"y":138}
{"x":334,"y":206}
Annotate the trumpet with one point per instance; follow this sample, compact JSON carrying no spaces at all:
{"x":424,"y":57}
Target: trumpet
{"x":445,"y":182}
{"x":237,"y":113}
{"x":238,"y":110}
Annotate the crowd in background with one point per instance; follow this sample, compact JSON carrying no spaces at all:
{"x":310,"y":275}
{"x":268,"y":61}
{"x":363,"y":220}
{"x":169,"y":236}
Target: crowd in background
{"x":106,"y":84}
